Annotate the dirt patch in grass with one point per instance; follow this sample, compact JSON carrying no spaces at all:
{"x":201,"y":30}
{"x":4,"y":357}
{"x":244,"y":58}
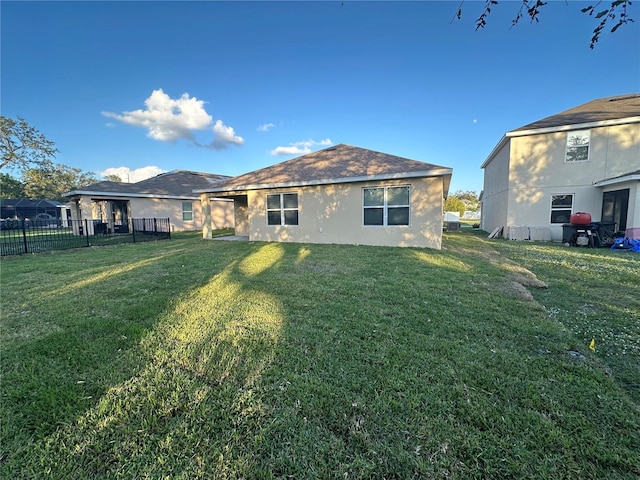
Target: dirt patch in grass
{"x":517,"y":280}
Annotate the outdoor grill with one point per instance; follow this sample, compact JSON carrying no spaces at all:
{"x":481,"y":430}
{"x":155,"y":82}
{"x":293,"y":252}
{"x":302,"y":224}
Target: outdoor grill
{"x":593,"y":234}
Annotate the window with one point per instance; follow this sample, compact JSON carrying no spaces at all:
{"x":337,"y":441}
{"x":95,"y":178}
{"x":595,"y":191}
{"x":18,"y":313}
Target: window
{"x":282,"y":209}
{"x":561,"y":207}
{"x":578,"y":146}
{"x":386,"y":206}
{"x":187,"y":211}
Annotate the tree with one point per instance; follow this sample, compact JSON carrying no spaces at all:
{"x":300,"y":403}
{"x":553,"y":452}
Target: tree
{"x":454,"y":204}
{"x":469,"y":198}
{"x":53,"y":181}
{"x":112,"y":178}
{"x":23,"y":147}
{"x":617,"y":12}
{"x":10,"y":187}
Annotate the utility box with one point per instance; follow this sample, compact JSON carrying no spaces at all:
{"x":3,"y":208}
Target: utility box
{"x":452,"y":226}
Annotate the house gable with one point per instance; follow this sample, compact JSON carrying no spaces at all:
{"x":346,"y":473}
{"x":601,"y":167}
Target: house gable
{"x":338,"y":164}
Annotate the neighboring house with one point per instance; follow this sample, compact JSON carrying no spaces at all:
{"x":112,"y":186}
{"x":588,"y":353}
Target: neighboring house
{"x":341,"y":194}
{"x":586,"y":159}
{"x":168,"y":195}
{"x":26,"y":208}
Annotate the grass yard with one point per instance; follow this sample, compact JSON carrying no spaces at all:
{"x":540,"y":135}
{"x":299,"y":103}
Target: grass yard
{"x":200,"y":359}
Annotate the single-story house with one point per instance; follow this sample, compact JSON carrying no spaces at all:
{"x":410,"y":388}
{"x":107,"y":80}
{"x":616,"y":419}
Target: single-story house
{"x":168,"y":195}
{"x":341,"y":194}
{"x":585,"y":159}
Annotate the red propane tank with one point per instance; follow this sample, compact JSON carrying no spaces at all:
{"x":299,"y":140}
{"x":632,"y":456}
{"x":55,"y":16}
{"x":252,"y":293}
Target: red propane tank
{"x":580,"y":218}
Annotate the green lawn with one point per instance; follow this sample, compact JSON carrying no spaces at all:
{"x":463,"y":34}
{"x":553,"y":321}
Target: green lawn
{"x":205,"y":359}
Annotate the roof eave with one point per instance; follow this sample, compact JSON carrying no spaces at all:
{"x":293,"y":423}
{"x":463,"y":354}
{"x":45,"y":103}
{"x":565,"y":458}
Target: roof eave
{"x":310,"y":183}
{"x":574,"y":126}
{"x":128,"y":195}
{"x":503,"y":141}
{"x":614,"y":181}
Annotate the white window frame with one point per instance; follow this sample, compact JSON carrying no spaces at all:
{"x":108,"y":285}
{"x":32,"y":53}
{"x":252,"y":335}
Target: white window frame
{"x":187,"y":211}
{"x":584,"y":141}
{"x":561,"y":208}
{"x":385,"y":206}
{"x":282,"y":209}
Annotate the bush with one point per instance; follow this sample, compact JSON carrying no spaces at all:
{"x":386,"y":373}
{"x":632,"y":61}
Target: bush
{"x":11,"y":224}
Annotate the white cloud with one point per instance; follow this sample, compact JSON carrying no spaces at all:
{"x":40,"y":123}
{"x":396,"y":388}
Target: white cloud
{"x":224,"y":135}
{"x":131,"y":176}
{"x":265,"y":127}
{"x":169,"y":120}
{"x":300,"y":148}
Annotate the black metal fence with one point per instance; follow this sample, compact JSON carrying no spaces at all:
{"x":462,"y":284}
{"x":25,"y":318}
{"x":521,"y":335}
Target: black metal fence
{"x":33,"y":236}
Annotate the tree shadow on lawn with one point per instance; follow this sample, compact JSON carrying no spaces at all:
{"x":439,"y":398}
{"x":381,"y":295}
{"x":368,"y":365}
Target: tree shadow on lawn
{"x":60,"y":356}
{"x":295,"y":360}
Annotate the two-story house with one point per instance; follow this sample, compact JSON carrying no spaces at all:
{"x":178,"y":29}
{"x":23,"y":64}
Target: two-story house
{"x":585,"y":159}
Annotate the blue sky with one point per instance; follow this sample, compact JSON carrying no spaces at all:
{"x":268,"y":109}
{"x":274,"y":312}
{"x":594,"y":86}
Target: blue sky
{"x":229,"y":87}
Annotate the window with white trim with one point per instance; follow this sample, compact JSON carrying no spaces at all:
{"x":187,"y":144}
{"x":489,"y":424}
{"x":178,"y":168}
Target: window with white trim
{"x":578,"y":146}
{"x":386,"y":206}
{"x":561,"y":208}
{"x":282,"y":209}
{"x":187,"y":211}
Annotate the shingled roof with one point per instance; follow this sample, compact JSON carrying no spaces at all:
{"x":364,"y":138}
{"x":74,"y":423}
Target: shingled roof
{"x":603,"y":109}
{"x":338,"y":164}
{"x":176,"y":183}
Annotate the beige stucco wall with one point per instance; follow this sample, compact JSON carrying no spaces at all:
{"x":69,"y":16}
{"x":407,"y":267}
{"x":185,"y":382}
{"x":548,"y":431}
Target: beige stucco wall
{"x":633,"y":212}
{"x":241,"y":216}
{"x":495,"y":190}
{"x":334,"y":214}
{"x":167,"y":208}
{"x":539,"y":160}
{"x":163,"y":208}
{"x":537,"y":170}
{"x":217,"y":213}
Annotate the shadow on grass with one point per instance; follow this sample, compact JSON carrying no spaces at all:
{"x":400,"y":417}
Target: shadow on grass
{"x":312,"y":361}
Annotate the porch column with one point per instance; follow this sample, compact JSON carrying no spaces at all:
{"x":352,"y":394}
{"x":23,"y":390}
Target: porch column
{"x":206,"y":216}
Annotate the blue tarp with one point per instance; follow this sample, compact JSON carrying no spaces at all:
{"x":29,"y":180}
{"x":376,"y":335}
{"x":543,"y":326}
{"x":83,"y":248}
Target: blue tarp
{"x":626,"y":244}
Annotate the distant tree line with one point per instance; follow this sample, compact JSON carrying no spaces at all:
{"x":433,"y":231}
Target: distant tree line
{"x":29,"y":154}
{"x":462,"y":201}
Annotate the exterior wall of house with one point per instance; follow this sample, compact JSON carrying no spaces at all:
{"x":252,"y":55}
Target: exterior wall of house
{"x":633,"y":211}
{"x":539,"y":160}
{"x":334,"y":214}
{"x":222,"y":213}
{"x":241,"y":215}
{"x":496,"y":190}
{"x":537,"y":170}
{"x":217,"y":213}
{"x":168,"y":208}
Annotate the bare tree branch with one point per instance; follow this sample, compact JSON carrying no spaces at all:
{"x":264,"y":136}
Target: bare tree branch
{"x":617,"y":10}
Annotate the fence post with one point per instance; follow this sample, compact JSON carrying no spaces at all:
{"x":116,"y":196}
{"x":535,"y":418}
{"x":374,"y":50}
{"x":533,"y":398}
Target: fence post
{"x":86,"y":230}
{"x":24,"y":236}
{"x":155,"y":226}
{"x":133,"y":229}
